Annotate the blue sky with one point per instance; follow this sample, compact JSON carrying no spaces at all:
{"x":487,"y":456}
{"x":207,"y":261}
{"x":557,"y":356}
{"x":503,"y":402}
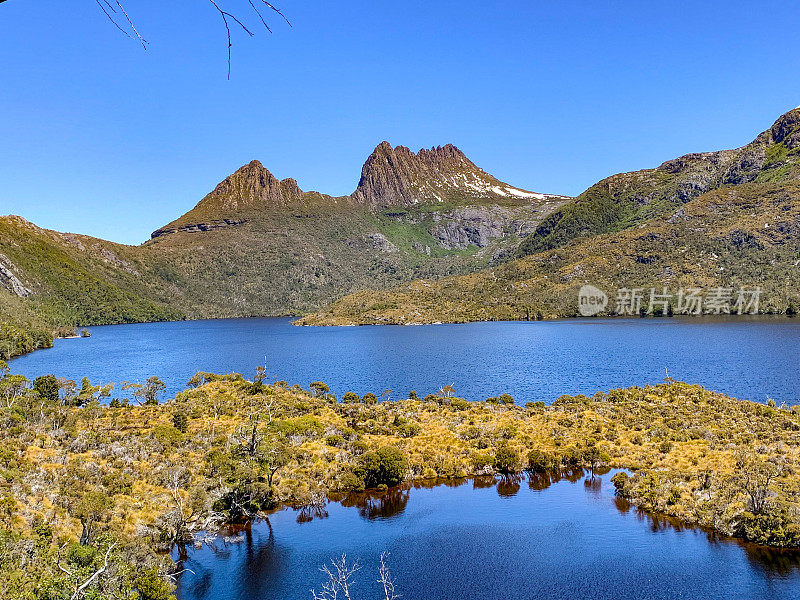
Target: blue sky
{"x":98,"y":136}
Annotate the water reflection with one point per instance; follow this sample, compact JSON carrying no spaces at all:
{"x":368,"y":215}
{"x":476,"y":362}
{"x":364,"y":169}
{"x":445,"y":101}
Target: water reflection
{"x":509,"y":485}
{"x":438,"y":530}
{"x":379,"y":504}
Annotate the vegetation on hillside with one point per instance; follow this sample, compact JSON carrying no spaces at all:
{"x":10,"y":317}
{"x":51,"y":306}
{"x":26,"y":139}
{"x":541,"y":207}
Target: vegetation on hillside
{"x":628,"y":199}
{"x":743,"y":236}
{"x":92,"y":494}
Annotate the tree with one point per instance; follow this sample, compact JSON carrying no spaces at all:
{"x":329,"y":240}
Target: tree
{"x":595,"y":457}
{"x":339,"y":580}
{"x":754,"y":477}
{"x":506,"y":459}
{"x":447,"y":391}
{"x":351,"y":398}
{"x":47,"y":387}
{"x":12,"y":387}
{"x":89,"y":509}
{"x":148,"y":392}
{"x":180,"y":421}
{"x":319,"y":388}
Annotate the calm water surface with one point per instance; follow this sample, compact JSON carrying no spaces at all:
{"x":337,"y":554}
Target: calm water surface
{"x":752,"y":359}
{"x":476,"y":540}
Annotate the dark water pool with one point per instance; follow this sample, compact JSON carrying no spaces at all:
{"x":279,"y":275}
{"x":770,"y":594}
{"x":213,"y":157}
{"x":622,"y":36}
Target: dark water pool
{"x":751,"y":359}
{"x":477,"y":539}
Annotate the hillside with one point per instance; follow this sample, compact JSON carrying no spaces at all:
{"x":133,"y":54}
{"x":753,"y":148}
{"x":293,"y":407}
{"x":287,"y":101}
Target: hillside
{"x":628,"y":199}
{"x":259,"y":246}
{"x":52,"y":281}
{"x":741,"y":231}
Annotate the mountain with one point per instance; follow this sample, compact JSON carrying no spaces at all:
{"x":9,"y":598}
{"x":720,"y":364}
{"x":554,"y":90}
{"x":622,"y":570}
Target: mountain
{"x":51,"y":280}
{"x":260,"y":246}
{"x":257,"y":245}
{"x":628,"y":199}
{"x":718,"y":219}
{"x":399,"y":177}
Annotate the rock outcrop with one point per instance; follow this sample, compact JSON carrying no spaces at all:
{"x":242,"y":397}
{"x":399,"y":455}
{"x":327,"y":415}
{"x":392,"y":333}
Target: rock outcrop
{"x":10,"y":281}
{"x":396,"y":176}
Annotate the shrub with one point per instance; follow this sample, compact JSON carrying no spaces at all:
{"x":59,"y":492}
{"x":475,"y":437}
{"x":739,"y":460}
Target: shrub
{"x":386,"y":465}
{"x":621,"y":481}
{"x":47,"y":387}
{"x":540,"y":462}
{"x":506,"y":459}
{"x":167,"y":435}
{"x":180,"y":422}
{"x":351,"y":398}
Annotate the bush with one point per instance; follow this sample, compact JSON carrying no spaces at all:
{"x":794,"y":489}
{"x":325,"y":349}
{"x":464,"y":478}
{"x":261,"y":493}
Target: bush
{"x":541,"y":462}
{"x":506,"y":460}
{"x":387,"y":466}
{"x":349,"y":481}
{"x":621,"y":481}
{"x":350,"y":398}
{"x":180,"y":422}
{"x":47,"y":387}
{"x":151,"y":586}
{"x":167,"y":435}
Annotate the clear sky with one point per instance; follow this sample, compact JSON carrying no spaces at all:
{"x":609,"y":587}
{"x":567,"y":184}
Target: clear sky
{"x":98,"y":136}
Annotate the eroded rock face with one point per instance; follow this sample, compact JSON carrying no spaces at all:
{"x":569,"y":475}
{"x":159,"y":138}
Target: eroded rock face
{"x":196,"y":227}
{"x":10,"y":281}
{"x":464,"y":227}
{"x":396,"y":176}
{"x":378,"y":241}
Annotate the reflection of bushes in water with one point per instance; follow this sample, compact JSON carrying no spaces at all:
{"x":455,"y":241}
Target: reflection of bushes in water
{"x":379,"y":505}
{"x":772,"y":561}
{"x":593,"y":484}
{"x":508,"y":485}
{"x":622,"y":505}
{"x":483,"y":482}
{"x":541,"y":481}
{"x":309,"y":512}
{"x":429,"y":484}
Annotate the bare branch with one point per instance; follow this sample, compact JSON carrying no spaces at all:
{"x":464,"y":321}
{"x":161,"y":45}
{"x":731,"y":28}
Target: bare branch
{"x":110,"y":18}
{"x":95,"y":575}
{"x":225,"y":14}
{"x":386,"y":580}
{"x":277,"y":10}
{"x":133,"y":28}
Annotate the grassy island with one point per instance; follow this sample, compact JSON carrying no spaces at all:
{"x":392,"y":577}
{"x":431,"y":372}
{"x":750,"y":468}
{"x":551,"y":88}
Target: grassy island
{"x":92,"y":495}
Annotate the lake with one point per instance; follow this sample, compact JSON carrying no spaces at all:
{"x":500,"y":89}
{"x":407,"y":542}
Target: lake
{"x":751,"y":359}
{"x":480,"y":540}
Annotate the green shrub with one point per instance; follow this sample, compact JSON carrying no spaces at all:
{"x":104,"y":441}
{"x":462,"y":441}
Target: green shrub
{"x":386,"y":465}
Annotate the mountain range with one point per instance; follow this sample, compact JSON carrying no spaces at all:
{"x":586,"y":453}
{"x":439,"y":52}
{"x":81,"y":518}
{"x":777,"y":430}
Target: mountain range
{"x":260,"y":246}
{"x":425,"y":237}
{"x":716,"y":220}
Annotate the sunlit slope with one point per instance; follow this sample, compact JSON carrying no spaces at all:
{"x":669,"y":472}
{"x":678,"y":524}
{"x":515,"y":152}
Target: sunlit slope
{"x":719,"y":219}
{"x":628,"y":199}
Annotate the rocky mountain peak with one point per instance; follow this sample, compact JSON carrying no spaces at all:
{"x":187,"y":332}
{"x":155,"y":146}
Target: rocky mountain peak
{"x":251,"y":186}
{"x":396,"y":176}
{"x":785,"y":130}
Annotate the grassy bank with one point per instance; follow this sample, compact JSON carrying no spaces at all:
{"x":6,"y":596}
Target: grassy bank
{"x":88,"y":488}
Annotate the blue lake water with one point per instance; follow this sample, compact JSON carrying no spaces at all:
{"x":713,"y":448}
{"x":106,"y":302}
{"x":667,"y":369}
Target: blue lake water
{"x":752,"y":359}
{"x":519,"y":539}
